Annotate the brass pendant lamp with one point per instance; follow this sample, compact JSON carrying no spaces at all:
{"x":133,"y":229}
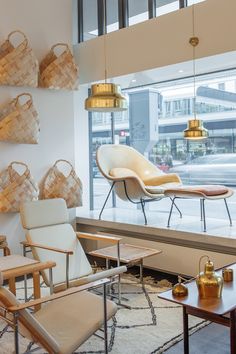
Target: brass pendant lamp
{"x":195,"y":129}
{"x":106,"y":97}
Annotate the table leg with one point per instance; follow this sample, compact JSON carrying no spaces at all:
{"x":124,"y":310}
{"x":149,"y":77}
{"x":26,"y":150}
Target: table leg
{"x":185,"y":331}
{"x":233,"y":332}
{"x":12,"y":285}
{"x":37,"y":292}
{"x":141,"y":271}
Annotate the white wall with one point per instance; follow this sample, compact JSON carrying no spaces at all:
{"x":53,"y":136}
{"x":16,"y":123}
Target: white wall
{"x":161,"y":41}
{"x":82,"y":143}
{"x":45,"y":23}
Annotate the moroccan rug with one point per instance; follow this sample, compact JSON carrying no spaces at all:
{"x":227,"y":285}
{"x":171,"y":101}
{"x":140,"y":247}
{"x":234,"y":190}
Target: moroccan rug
{"x":151,"y":326}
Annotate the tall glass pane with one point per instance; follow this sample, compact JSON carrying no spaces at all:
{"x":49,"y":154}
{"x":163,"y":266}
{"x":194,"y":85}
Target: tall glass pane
{"x":138,"y":11}
{"x":101,"y":134}
{"x":90,"y":19}
{"x":112,"y":16}
{"x":191,"y":2}
{"x":166,"y":6}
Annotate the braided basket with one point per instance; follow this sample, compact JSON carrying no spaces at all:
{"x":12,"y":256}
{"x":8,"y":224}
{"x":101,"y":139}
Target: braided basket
{"x":59,"y":72}
{"x":16,"y":188}
{"x":18,"y":65}
{"x":19,"y":123}
{"x":57,"y":185}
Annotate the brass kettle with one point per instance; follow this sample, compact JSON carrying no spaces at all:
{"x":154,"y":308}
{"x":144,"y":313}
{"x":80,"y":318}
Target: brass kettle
{"x":208,"y":282}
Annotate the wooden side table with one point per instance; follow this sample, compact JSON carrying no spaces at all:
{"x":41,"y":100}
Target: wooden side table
{"x":128,"y":254}
{"x":14,"y":266}
{"x":125,"y":253}
{"x":4,"y":245}
{"x":221,"y":311}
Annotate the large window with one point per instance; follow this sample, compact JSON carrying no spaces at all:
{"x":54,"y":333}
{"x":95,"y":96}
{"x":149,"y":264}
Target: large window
{"x":211,"y":161}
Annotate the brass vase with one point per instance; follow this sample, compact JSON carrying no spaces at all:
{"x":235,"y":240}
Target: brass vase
{"x":209,"y":283}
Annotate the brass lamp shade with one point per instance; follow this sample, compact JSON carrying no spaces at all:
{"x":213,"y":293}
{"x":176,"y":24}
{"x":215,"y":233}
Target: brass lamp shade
{"x":195,"y":130}
{"x":106,"y":98}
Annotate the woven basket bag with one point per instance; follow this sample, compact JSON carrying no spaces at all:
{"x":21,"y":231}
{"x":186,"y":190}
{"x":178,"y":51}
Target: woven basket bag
{"x":59,"y":72}
{"x":19,"y":123}
{"x":57,"y":185}
{"x":16,"y":188}
{"x":18,"y":65}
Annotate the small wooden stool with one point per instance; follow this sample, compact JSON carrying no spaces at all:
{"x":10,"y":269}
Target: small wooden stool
{"x":4,"y":245}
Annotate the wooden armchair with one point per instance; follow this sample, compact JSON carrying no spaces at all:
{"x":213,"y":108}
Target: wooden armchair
{"x":50,"y":236}
{"x":66,"y":320}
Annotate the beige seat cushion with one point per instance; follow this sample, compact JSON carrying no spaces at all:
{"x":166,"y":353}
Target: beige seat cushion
{"x":63,"y":237}
{"x":41,"y":213}
{"x":72,"y":320}
{"x":208,"y":191}
{"x":162,"y":179}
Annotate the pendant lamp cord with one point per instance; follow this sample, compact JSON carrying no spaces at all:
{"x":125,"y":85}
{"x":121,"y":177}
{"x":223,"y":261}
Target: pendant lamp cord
{"x":194,"y":62}
{"x":104,"y":39}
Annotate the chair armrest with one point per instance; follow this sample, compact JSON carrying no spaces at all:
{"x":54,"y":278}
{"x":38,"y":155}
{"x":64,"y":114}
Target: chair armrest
{"x":64,"y":293}
{"x":108,"y":238}
{"x":101,"y":275}
{"x":36,"y":245}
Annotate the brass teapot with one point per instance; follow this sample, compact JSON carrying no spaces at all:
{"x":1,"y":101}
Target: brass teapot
{"x":208,"y":282}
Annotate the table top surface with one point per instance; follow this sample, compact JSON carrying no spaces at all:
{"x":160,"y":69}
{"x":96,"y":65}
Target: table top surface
{"x":215,"y":306}
{"x":128,"y":253}
{"x":15,"y":261}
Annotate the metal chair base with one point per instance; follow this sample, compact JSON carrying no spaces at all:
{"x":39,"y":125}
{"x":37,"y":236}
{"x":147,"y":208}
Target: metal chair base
{"x":202,"y":212}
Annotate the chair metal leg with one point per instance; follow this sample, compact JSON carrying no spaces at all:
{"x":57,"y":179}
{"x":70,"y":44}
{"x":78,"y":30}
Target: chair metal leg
{"x":227,"y":208}
{"x":67,"y":270}
{"x":51,"y":281}
{"x":204,"y":215}
{"x":142,"y":202}
{"x":119,"y":277}
{"x":171,"y":209}
{"x":180,"y":214}
{"x":201,"y":209}
{"x":25,"y":276}
{"x":105,"y":318}
{"x":108,"y":195}
{"x":16,"y":333}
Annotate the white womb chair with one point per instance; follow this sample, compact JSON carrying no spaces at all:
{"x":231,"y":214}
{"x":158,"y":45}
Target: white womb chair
{"x":65,"y":321}
{"x":50,"y":236}
{"x":132,"y":176}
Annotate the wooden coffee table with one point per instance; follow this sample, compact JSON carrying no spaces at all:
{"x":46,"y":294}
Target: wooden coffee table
{"x":213,"y":310}
{"x":15,"y":266}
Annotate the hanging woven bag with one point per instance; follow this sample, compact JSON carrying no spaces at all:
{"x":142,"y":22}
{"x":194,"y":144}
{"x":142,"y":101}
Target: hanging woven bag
{"x":57,"y":185}
{"x":59,"y":71}
{"x":19,"y":123}
{"x":16,"y":188}
{"x":18,"y":65}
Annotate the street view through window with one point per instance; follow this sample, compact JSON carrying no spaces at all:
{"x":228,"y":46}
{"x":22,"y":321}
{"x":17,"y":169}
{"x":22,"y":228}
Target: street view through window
{"x":154,"y":125}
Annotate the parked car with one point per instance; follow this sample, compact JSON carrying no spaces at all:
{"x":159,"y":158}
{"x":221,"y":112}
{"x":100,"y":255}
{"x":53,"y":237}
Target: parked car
{"x":208,"y":169}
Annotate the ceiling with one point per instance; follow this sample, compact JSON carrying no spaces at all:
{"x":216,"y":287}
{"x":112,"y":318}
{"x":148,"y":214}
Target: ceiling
{"x":214,"y":64}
